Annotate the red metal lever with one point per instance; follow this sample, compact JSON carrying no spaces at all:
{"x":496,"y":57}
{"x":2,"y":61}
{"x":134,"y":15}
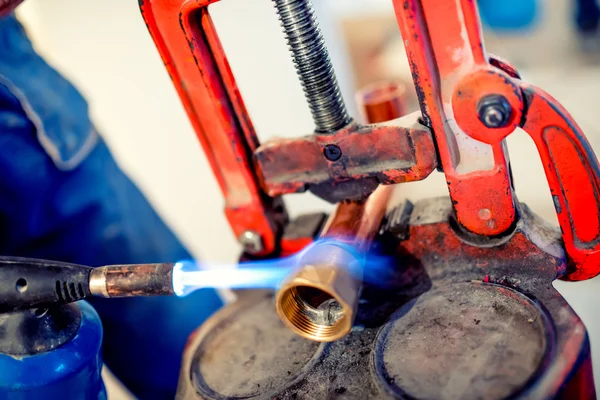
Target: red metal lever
{"x":570,"y":164}
{"x":189,"y":46}
{"x":443,"y":43}
{"x":573,"y":174}
{"x":453,"y":77}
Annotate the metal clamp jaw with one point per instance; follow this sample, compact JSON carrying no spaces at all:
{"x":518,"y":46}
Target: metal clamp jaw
{"x":469,"y":104}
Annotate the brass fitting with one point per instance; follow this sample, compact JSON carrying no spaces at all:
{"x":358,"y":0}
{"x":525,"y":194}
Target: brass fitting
{"x":318,"y":300}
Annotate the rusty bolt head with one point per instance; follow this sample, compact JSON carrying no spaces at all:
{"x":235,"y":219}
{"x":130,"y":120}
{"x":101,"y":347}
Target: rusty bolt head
{"x":494,"y":111}
{"x":251,"y":241}
{"x":332,"y":152}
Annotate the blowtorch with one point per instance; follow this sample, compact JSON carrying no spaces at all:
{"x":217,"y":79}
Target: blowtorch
{"x":44,"y":327}
{"x":39,"y":284}
{"x":32,"y":283}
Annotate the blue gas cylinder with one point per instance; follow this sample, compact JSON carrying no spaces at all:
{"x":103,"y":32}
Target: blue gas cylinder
{"x":51,"y":354}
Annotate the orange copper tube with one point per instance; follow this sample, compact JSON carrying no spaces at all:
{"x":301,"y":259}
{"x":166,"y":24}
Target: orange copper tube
{"x":357,"y":223}
{"x":319,"y":299}
{"x":382,"y":101}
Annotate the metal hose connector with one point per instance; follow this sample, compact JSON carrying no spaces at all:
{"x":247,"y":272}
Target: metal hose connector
{"x":318,"y":300}
{"x":313,"y":64}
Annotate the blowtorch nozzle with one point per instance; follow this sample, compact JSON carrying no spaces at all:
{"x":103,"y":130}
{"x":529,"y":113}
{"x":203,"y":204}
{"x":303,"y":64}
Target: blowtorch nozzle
{"x":32,"y":283}
{"x":132,"y":280}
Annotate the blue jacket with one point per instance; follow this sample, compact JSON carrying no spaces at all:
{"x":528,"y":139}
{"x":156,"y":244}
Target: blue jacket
{"x":62,"y":197}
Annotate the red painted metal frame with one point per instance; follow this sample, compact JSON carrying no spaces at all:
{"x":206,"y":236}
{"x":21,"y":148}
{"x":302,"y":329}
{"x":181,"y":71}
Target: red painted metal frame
{"x":452,"y":74}
{"x":188,"y":44}
{"x":443,"y":44}
{"x":390,"y":154}
{"x":380,"y":102}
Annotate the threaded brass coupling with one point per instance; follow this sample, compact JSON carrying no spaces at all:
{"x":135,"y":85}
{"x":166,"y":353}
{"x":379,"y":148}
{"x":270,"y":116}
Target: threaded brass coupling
{"x":318,"y":300}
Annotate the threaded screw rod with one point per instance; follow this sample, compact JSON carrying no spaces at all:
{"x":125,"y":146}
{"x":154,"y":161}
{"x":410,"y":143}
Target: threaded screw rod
{"x":313,"y":64}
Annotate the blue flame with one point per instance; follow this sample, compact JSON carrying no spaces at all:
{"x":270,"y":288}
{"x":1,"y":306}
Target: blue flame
{"x":380,"y":270}
{"x":191,"y":275}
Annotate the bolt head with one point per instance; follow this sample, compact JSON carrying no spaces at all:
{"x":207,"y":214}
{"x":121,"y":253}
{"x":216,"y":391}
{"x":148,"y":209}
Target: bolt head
{"x":332,"y":152}
{"x":494,"y":111}
{"x":251,"y":241}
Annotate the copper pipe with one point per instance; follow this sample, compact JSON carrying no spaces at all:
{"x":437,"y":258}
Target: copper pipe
{"x":357,"y":223}
{"x":382,"y":101}
{"x":132,"y":280}
{"x":318,"y":300}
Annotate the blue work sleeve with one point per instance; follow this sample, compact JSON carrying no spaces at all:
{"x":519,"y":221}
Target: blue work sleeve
{"x":63,"y":197}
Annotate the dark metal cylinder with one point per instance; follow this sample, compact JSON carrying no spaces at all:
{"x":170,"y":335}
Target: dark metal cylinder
{"x":313,"y":64}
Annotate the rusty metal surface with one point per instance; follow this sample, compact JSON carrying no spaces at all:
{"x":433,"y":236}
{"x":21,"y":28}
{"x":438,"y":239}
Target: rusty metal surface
{"x":443,"y":44}
{"x":452,"y":75}
{"x":474,"y":273}
{"x":138,"y":279}
{"x":473,"y":298}
{"x":397,"y":151}
{"x":247,"y":351}
{"x":465,"y":340}
{"x":190,"y":48}
{"x":453,"y":78}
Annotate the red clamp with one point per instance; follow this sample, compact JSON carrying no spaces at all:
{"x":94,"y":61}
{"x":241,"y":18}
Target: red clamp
{"x":469,"y":103}
{"x":472,"y":103}
{"x":192,"y":53}
{"x":252,"y":177}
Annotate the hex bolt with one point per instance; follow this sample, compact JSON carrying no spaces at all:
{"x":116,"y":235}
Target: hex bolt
{"x":494,"y":111}
{"x":251,"y":241}
{"x":332,"y":152}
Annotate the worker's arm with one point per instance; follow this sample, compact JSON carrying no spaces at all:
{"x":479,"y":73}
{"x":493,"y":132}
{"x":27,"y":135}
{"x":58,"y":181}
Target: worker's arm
{"x":63,"y":197}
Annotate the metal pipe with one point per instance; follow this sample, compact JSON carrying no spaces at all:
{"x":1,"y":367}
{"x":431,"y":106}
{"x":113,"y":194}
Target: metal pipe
{"x":132,"y":280}
{"x":318,"y":300}
{"x":382,"y":101}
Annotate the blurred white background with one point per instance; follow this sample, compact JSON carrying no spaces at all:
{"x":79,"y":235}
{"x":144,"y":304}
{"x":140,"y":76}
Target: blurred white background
{"x":105,"y":49}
